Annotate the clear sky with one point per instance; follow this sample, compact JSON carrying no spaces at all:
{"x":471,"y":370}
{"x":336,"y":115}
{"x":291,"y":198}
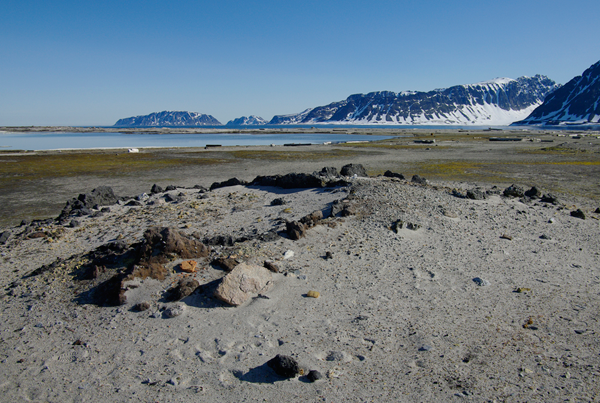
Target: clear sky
{"x":93,"y":62}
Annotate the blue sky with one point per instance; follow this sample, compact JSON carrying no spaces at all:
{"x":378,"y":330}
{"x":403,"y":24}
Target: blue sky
{"x":92,"y":63}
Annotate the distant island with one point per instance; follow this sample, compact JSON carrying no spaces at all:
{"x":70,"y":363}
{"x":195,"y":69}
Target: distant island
{"x":167,"y":119}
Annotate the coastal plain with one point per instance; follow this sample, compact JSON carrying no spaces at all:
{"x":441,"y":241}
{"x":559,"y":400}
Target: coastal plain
{"x":424,"y":292}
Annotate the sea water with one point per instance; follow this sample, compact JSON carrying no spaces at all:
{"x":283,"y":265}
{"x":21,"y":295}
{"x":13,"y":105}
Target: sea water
{"x":62,"y":141}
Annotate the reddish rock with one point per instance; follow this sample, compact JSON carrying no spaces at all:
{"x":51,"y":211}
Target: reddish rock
{"x":188,"y":266}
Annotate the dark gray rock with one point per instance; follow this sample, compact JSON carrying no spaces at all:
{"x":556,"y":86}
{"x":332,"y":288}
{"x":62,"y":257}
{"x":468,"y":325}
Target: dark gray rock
{"x":314,"y":375}
{"x":295,"y":230}
{"x":170,"y":188}
{"x":476,"y":194}
{"x":4,"y":237}
{"x":142,"y":306}
{"x":354,"y":169}
{"x":390,"y":174}
{"x":578,"y":214}
{"x":419,"y":180}
{"x":156,"y":189}
{"x":329,"y":172}
{"x":229,"y":182}
{"x":533,"y":193}
{"x":290,"y":181}
{"x":133,"y":203}
{"x":278,"y":202}
{"x":549,"y":198}
{"x":182,"y":289}
{"x":284,"y":366}
{"x":169,"y":198}
{"x":514,"y":191}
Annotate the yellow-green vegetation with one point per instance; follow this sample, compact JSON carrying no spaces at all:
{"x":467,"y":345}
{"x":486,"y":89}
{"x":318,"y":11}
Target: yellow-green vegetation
{"x":69,"y":164}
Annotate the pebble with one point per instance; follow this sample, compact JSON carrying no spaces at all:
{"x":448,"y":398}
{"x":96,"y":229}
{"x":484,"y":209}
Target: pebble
{"x":313,"y":294}
{"x":173,"y":311}
{"x":426,"y":347}
{"x":314,"y":375}
{"x":284,"y":366}
{"x":481,"y":282}
{"x":288,"y":254}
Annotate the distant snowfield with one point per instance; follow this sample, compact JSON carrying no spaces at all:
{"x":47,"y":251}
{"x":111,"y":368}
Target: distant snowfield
{"x":473,"y":115}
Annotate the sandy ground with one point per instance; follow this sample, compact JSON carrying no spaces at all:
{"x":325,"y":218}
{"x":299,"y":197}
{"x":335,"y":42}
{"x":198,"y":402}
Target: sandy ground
{"x":483,"y":300}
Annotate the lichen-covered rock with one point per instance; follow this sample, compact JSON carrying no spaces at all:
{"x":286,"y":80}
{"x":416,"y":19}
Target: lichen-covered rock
{"x":242,"y":283}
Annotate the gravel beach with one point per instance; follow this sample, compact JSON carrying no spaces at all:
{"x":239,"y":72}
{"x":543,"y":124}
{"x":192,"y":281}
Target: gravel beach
{"x":452,"y":285}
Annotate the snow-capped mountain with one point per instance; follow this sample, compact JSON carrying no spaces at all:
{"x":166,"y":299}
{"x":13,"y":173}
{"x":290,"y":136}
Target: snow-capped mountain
{"x":576,"y":102}
{"x":496,"y":102}
{"x":247,"y":121}
{"x":165,"y":118}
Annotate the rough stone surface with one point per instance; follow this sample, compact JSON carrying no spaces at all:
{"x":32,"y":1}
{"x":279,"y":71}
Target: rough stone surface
{"x":390,"y":174}
{"x":242,"y":283}
{"x":4,"y":237}
{"x":284,"y":366}
{"x":271,"y":266}
{"x":354,"y":169}
{"x":314,"y":375}
{"x":578,"y":214}
{"x":182,"y":289}
{"x":188,"y":266}
{"x":171,"y":241}
{"x":418,"y":179}
{"x":226,"y":263}
{"x":514,"y":191}
{"x":295,"y":230}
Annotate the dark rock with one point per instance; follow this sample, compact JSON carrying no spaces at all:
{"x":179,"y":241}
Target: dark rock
{"x":514,"y":191}
{"x":25,"y":223}
{"x":229,"y":182}
{"x":278,"y":202}
{"x":102,"y":195}
{"x":398,"y":225}
{"x":533,"y":193}
{"x":111,"y":292}
{"x":171,"y":241}
{"x":220,"y":240}
{"x":105,"y":210}
{"x":329,"y":172}
{"x":597,"y":211}
{"x":328,"y":255}
{"x":418,"y":179}
{"x":312,"y":219}
{"x":284,"y":366}
{"x":578,"y":214}
{"x":225,"y":263}
{"x":544,"y":236}
{"x":390,"y":174}
{"x":354,"y":169}
{"x":495,"y":190}
{"x":4,"y":237}
{"x":169,"y":198}
{"x":342,"y":208}
{"x":170,"y":188}
{"x":549,"y":198}
{"x":156,"y":189}
{"x":37,"y":234}
{"x":182,"y":289}
{"x":314,"y":375}
{"x":133,"y":203}
{"x":290,"y":181}
{"x":271,"y":266}
{"x":476,"y":194}
{"x":295,"y":230}
{"x":142,"y":306}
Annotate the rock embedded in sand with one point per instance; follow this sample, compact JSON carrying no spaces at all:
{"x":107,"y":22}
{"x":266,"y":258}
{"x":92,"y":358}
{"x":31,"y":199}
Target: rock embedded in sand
{"x":481,"y":282}
{"x":390,"y":174}
{"x":188,"y":266}
{"x":314,"y":375}
{"x":578,"y":214}
{"x":226,"y":263}
{"x":418,"y":179}
{"x":141,"y":307}
{"x":242,"y":283}
{"x":182,"y":289}
{"x":171,"y":241}
{"x":295,"y":230}
{"x":4,"y":237}
{"x":284,"y":366}
{"x":313,"y":294}
{"x":271,"y":266}
{"x":174,"y":311}
{"x":514,"y":191}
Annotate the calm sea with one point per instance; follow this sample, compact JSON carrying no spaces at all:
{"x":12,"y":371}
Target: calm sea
{"x":58,"y":141}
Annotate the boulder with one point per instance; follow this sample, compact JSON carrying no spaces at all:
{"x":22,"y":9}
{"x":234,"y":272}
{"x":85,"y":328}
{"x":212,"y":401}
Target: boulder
{"x":188,"y":266}
{"x":290,"y":181}
{"x":229,"y":182}
{"x":226,"y":263}
{"x":243,"y":282}
{"x":4,"y":237}
{"x":390,"y":174}
{"x":284,"y":366}
{"x":295,"y":230}
{"x":476,"y":194}
{"x":182,"y":289}
{"x":156,"y":189}
{"x":418,"y":179}
{"x":578,"y":214}
{"x":354,"y":169}
{"x":514,"y":191}
{"x":533,"y":193}
{"x":167,"y":240}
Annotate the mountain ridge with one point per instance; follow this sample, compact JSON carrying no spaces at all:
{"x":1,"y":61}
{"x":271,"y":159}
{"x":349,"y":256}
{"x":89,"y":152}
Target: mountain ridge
{"x":577,"y":102}
{"x":168,"y":119}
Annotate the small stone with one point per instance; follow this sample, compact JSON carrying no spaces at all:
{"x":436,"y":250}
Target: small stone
{"x":288,"y":254}
{"x":597,"y":211}
{"x":328,"y":255}
{"x":284,"y":366}
{"x":481,"y":282}
{"x":314,"y":375}
{"x":544,"y":236}
{"x":335,"y":356}
{"x":313,"y":294}
{"x":142,"y":306}
{"x":426,"y":347}
{"x":504,"y":236}
{"x":269,"y":264}
{"x":188,"y":266}
{"x":4,"y":237}
{"x":578,"y":214}
{"x":174,"y":311}
{"x":332,"y":373}
{"x":419,"y":180}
